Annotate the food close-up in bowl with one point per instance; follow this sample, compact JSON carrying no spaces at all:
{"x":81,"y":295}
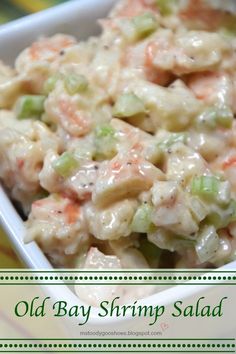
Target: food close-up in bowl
{"x":120,"y":151}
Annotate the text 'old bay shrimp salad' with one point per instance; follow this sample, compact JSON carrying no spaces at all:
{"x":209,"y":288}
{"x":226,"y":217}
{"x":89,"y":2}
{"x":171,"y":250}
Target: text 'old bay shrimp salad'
{"x":121,"y":150}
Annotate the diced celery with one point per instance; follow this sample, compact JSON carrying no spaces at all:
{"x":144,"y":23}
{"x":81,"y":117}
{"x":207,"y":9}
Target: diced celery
{"x":65,"y":164}
{"x":222,"y":217}
{"x":225,"y":117}
{"x":75,"y":83}
{"x":84,"y":152}
{"x":167,"y":240}
{"x":207,"y":186}
{"x":142,"y":219}
{"x":228,"y":26}
{"x":150,"y":251}
{"x":208,"y":118}
{"x":181,"y":242}
{"x":207,"y":244}
{"x":165,"y":6}
{"x":128,"y":30}
{"x":228,"y":33}
{"x":232,"y":210}
{"x":30,"y":106}
{"x":212,"y":188}
{"x":138,"y":27}
{"x":198,"y":209}
{"x":144,"y":24}
{"x":214,"y":116}
{"x":224,"y":192}
{"x":173,"y":139}
{"x":128,"y":105}
{"x":105,"y":142}
{"x":104,"y":130}
{"x":50,"y":83}
{"x":217,"y":220}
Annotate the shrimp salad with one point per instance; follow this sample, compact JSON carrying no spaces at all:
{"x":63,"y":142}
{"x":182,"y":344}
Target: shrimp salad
{"x":120,"y":150}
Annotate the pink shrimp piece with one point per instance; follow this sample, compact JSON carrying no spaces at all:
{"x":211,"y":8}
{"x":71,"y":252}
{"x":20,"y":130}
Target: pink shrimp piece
{"x":129,"y":9}
{"x":133,"y":8}
{"x":126,"y":175}
{"x":59,"y":208}
{"x":72,"y":212}
{"x":50,"y":47}
{"x":213,"y":87}
{"x":199,"y":12}
{"x":73,"y":120}
{"x":203,"y":84}
{"x":155,"y":75}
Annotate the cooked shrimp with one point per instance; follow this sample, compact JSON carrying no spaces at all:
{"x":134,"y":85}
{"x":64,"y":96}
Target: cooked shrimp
{"x":20,"y":165}
{"x":213,"y":88}
{"x":34,"y":63}
{"x":48,"y":48}
{"x":65,"y":112}
{"x":57,"y":223}
{"x":45,"y":49}
{"x":186,"y":52}
{"x":124,"y":176}
{"x":199,"y":14}
{"x":153,"y":74}
{"x":78,"y":186}
{"x":133,"y":8}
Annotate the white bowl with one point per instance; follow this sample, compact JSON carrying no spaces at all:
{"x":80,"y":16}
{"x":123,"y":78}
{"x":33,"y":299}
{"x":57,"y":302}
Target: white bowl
{"x":78,"y":18}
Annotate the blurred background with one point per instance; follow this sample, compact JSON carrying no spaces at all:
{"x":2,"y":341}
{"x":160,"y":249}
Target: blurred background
{"x":11,"y":10}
